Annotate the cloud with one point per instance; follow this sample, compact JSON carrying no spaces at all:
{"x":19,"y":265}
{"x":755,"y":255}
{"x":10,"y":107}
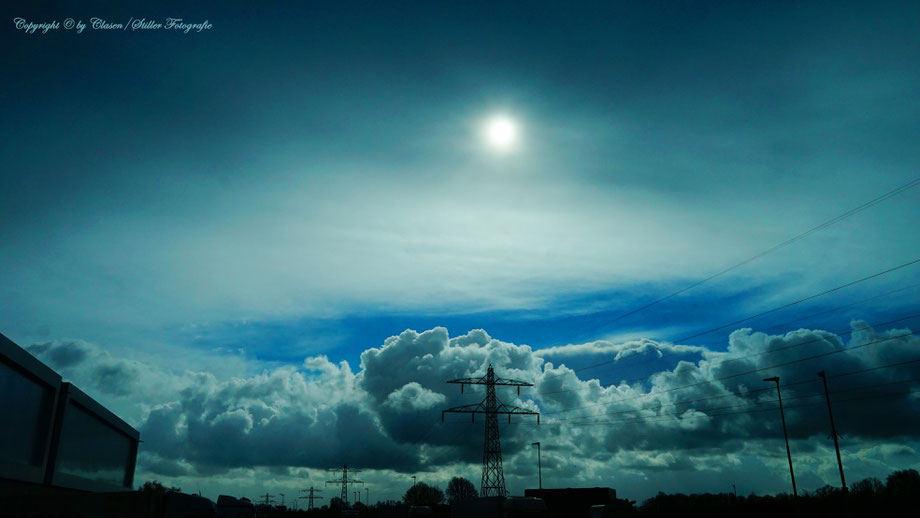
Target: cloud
{"x":401,"y":388}
{"x":386,"y":417}
{"x":93,"y":366}
{"x":618,"y":351}
{"x":413,"y":397}
{"x":64,"y":353}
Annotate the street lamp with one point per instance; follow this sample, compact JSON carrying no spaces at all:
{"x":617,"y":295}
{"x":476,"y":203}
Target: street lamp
{"x":827,"y":395}
{"x":786,"y":435}
{"x":539,"y":463}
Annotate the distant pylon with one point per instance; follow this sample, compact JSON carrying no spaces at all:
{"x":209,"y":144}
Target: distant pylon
{"x":493,"y":476}
{"x":310,"y":496}
{"x":269,"y":499}
{"x":344,"y":481}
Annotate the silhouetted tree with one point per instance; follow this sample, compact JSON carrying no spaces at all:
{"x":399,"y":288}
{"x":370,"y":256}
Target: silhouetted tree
{"x":903,"y":483}
{"x":826,"y":491}
{"x":460,"y":489}
{"x":868,"y":497}
{"x":867,"y":486}
{"x":423,"y":494}
{"x":336,"y":503}
{"x":155,"y":486}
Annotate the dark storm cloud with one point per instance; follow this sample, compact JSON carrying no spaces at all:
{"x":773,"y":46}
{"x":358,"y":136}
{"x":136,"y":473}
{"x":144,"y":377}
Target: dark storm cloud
{"x":77,"y":359}
{"x":277,"y":419}
{"x":640,"y":417}
{"x":62,"y":354}
{"x":117,"y":378}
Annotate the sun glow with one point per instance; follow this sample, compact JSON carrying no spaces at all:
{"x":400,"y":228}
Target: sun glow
{"x":501,"y":133}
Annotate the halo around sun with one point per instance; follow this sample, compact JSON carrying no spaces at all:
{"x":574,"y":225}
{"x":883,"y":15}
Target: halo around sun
{"x":501,"y":133}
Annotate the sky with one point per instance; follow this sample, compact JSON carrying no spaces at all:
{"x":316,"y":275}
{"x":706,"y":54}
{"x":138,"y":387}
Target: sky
{"x":286,"y":232}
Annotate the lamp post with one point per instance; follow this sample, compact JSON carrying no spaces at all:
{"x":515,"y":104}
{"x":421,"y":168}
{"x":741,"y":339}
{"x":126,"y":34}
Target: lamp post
{"x":830,"y":413}
{"x":413,"y":480}
{"x":782,"y":416}
{"x":539,"y":463}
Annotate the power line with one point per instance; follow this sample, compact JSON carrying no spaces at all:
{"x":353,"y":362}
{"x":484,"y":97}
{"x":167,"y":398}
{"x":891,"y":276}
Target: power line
{"x":782,"y":324}
{"x":728,"y":360}
{"x":773,"y":248}
{"x":845,"y":349}
{"x":898,"y":364}
{"x":739,"y":394}
{"x":746,"y":393}
{"x":838,"y":308}
{"x":847,"y":285}
{"x":784,"y":306}
{"x":670,"y":418}
{"x":743,"y":373}
{"x":740,"y":405}
{"x":786,"y":323}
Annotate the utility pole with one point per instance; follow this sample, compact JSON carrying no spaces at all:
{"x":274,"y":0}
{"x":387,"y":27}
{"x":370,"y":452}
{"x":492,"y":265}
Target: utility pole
{"x":830,"y":413}
{"x":493,"y":477}
{"x":344,"y":481}
{"x":782,"y":416}
{"x":539,"y":462}
{"x":311,"y":497}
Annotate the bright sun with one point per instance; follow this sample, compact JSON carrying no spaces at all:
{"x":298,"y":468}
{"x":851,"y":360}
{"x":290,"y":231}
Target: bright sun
{"x":501,"y":133}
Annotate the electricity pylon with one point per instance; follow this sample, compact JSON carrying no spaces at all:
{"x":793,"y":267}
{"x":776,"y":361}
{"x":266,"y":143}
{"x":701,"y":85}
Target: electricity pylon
{"x":344,"y":481}
{"x":269,"y":499}
{"x":310,"y":497}
{"x":493,"y":477}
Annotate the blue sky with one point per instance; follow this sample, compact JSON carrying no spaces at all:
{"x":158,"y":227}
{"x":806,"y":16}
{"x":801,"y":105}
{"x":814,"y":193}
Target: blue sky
{"x":311,"y":179}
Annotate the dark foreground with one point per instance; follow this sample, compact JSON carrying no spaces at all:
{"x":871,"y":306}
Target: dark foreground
{"x":899,"y":495}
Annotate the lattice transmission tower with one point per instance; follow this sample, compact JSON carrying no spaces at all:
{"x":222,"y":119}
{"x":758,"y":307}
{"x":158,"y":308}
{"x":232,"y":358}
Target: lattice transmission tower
{"x":344,"y":481}
{"x":493,"y":477}
{"x":310,"y":496}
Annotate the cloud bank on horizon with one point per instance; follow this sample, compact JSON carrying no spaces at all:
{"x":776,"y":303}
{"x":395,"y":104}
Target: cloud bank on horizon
{"x":291,"y":423}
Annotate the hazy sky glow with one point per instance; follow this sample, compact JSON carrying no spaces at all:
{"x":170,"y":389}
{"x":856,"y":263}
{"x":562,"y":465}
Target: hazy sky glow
{"x":236,"y":228}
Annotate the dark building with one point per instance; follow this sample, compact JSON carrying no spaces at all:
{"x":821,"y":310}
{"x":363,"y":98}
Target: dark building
{"x":54,"y":435}
{"x":576,"y":501}
{"x":499,"y":507}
